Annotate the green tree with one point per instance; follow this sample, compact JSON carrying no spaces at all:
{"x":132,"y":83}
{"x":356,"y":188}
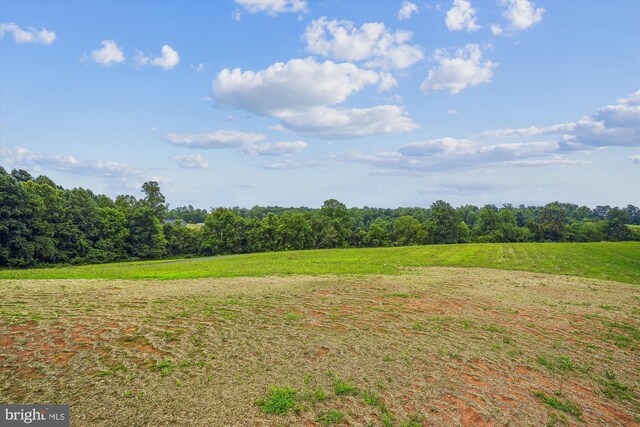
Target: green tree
{"x":616,"y":228}
{"x":408,"y":231}
{"x":154,"y":199}
{"x":443,"y":225}
{"x":223,"y":233}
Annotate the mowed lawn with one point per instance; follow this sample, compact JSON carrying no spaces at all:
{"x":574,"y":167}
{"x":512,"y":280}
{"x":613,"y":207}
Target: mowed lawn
{"x":606,"y":260}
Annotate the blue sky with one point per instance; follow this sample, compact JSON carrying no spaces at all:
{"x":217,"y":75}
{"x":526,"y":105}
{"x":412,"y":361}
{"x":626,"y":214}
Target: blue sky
{"x":292,"y":102}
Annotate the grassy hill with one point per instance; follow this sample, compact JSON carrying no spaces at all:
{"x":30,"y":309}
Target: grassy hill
{"x":606,"y":260}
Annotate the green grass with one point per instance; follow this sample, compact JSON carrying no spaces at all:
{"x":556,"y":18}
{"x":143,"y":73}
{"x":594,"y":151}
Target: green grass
{"x":330,"y":417}
{"x":607,"y":260}
{"x":560,"y":404}
{"x":279,"y":400}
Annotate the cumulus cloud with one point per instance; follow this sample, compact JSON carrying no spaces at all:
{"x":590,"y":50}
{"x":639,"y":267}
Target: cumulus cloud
{"x":22,"y":157}
{"x":272,"y":7}
{"x":217,"y":139}
{"x":611,"y":125}
{"x":301,"y":92}
{"x":455,"y":73}
{"x":279,"y":148}
{"x":30,"y":35}
{"x":190,"y":161}
{"x":635,"y":159}
{"x":296,"y":85}
{"x":350,"y":122}
{"x":521,"y":14}
{"x":407,"y":10}
{"x":168,"y":59}
{"x":496,"y":29}
{"x":109,"y":54}
{"x":372,"y":42}
{"x":462,"y":16}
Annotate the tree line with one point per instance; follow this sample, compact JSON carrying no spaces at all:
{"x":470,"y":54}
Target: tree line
{"x":42,"y":223}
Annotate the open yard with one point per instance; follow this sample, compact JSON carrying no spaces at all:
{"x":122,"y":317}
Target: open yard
{"x":431,"y":346}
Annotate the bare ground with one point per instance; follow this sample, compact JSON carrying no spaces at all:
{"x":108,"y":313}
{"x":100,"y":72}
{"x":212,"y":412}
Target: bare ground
{"x":446,"y":346}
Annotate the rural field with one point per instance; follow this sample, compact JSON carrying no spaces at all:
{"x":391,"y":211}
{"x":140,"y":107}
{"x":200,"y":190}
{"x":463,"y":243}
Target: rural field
{"x":448,"y":335}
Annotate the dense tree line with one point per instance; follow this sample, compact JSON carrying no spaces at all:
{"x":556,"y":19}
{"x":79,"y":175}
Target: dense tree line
{"x":42,"y":223}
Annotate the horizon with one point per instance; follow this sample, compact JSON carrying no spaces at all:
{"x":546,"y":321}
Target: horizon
{"x":468,"y":102}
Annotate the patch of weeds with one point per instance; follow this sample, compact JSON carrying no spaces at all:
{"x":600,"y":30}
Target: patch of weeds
{"x":232,"y":301}
{"x":466,"y":323}
{"x":371,"y":398}
{"x":563,"y":405}
{"x":414,"y":420}
{"x":615,"y":390}
{"x":561,"y":364}
{"x":293,"y":317}
{"x":196,"y":340}
{"x":165,"y":367}
{"x":387,"y":420}
{"x":419,"y":326}
{"x":343,"y":388}
{"x":330,"y":417}
{"x":105,"y":373}
{"x":556,"y":419}
{"x":315,"y":396}
{"x":279,"y":400}
{"x":127,"y":394}
{"x":609,"y":307}
{"x":387,"y":358}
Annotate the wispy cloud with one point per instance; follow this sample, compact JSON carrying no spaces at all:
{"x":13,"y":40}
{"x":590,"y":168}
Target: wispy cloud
{"x":30,"y":35}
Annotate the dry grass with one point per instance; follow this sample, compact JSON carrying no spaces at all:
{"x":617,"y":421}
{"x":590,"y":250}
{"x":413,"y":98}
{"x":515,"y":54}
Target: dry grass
{"x":440,"y":346}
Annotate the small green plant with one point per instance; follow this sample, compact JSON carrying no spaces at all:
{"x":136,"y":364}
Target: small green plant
{"x":279,"y":400}
{"x":419,"y":326}
{"x":342,"y":388}
{"x":414,"y":420}
{"x":560,"y":404}
{"x":330,"y":417}
{"x":556,"y":419}
{"x":165,"y":367}
{"x":371,"y":398}
{"x":293,"y":316}
{"x":315,"y":396}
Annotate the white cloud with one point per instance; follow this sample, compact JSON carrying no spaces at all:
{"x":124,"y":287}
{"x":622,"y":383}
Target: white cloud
{"x":168,"y":60}
{"x":496,"y":29}
{"x":140,"y":59}
{"x":548,"y":162}
{"x":461,"y":17}
{"x":217,"y":139}
{"x":190,"y":161}
{"x":635,"y":158}
{"x":611,"y":125}
{"x":407,"y":10}
{"x":452,"y":112}
{"x":372,"y":42}
{"x":296,"y":85}
{"x":30,"y":35}
{"x":279,"y":148}
{"x":455,"y":73}
{"x":109,"y":54}
{"x":521,"y":14}
{"x":350,"y":122}
{"x":22,"y":157}
{"x":272,"y":7}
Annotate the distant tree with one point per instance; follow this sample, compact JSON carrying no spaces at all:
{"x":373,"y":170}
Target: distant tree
{"x":443,"y":225}
{"x":550,"y":224}
{"x":294,"y":231}
{"x":146,"y":239}
{"x":223,"y":233}
{"x":615,"y":228}
{"x":21,"y":175}
{"x":408,"y":231}
{"x":154,"y":199}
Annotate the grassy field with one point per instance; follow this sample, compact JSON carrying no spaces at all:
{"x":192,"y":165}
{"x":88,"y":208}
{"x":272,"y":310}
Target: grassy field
{"x":410,"y":336}
{"x":609,"y":261}
{"x":439,"y":347}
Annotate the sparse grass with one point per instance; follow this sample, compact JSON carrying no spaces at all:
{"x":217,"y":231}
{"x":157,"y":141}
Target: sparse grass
{"x":607,"y":260}
{"x":615,"y":390}
{"x":343,"y":388}
{"x":560,"y":404}
{"x":279,"y":400}
{"x":127,"y":360}
{"x":330,"y":417}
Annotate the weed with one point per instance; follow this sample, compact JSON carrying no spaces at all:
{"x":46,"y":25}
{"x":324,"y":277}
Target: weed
{"x":342,"y":388}
{"x":556,"y":419}
{"x":330,"y":417}
{"x":293,"y":316}
{"x":560,"y":404}
{"x":414,"y":420}
{"x":279,"y":400}
{"x":371,"y":398}
{"x":419,"y":326}
{"x":315,"y":396}
{"x":165,"y":367}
